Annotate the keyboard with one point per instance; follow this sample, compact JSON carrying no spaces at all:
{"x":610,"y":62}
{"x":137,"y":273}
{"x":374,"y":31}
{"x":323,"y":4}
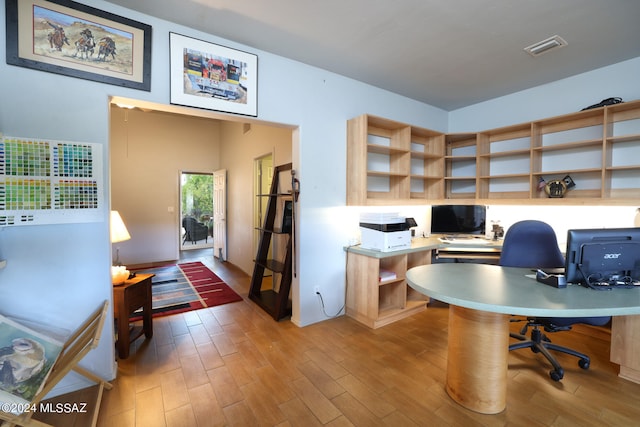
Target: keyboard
{"x":465,"y":240}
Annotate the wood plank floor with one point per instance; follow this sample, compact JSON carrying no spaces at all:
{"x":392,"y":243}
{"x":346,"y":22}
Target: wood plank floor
{"x":234,"y":366}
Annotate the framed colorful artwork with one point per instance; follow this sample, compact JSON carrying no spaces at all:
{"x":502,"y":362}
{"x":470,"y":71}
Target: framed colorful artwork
{"x":50,"y":182}
{"x":214,"y":77}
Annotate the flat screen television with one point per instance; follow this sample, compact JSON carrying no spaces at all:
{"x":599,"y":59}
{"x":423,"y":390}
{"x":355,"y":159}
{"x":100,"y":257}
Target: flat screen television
{"x":603,"y":255}
{"x":458,"y":219}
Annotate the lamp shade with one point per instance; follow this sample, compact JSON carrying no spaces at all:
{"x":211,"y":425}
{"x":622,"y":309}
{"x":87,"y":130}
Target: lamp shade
{"x":119,"y":231}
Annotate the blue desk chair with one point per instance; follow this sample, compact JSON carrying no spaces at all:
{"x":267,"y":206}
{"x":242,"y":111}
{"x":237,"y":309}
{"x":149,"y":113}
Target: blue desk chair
{"x":533,"y":244}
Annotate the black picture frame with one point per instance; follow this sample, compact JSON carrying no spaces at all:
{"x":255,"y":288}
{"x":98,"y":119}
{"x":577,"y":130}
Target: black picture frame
{"x":51,"y":36}
{"x":213,"y":77}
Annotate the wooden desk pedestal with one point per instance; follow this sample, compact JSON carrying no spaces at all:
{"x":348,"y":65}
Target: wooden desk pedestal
{"x":625,"y":346}
{"x":135,"y":293}
{"x":477,"y":359}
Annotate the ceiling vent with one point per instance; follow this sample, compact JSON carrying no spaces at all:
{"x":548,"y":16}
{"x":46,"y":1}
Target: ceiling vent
{"x":546,"y":45}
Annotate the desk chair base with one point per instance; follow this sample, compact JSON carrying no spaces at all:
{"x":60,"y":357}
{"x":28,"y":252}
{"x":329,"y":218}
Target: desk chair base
{"x":539,"y":343}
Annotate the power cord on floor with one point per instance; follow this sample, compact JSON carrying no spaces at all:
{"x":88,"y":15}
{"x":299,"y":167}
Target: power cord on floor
{"x":323,"y":309}
{"x":346,"y":282}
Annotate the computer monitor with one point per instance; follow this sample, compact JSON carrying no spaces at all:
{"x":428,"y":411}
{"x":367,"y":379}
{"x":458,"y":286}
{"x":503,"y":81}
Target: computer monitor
{"x":604,"y":255}
{"x":458,"y":219}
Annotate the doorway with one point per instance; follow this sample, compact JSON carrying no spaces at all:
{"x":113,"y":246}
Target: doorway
{"x":155,"y":134}
{"x":196,"y":210}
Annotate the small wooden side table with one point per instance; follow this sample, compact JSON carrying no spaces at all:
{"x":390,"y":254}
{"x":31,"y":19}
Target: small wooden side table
{"x":133,"y":294}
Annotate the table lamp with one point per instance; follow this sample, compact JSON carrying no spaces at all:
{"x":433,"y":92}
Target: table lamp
{"x":119,"y":233}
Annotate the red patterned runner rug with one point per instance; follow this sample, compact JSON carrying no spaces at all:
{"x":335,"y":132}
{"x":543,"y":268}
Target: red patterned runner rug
{"x":185,"y":287}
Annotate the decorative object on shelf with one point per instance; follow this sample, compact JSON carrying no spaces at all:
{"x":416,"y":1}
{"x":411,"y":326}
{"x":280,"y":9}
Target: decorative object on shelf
{"x":119,"y":233}
{"x":214,"y":77}
{"x":386,"y":275}
{"x":568,"y":182}
{"x":608,"y":101}
{"x":72,"y":39}
{"x":555,"y":188}
{"x":541,"y":184}
{"x":497,"y":230}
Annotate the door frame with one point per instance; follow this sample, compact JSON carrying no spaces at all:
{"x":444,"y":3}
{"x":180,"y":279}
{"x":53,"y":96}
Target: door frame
{"x":265,"y":181}
{"x":220,"y":215}
{"x":182,"y":247}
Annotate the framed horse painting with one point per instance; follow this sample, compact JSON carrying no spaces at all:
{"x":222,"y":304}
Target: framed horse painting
{"x":69,"y":38}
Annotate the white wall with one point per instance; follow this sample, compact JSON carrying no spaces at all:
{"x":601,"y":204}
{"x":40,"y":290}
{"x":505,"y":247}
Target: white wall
{"x":563,"y":218}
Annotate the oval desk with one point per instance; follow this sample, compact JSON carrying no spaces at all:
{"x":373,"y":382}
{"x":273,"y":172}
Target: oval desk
{"x":482,"y":298}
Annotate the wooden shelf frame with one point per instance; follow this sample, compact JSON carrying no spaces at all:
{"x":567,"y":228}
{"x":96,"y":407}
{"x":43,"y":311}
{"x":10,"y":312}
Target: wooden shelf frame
{"x":276,"y":300}
{"x":598,"y":148}
{"x":377,"y":303}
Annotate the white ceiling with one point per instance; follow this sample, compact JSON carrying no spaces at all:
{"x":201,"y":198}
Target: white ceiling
{"x":447,"y":53}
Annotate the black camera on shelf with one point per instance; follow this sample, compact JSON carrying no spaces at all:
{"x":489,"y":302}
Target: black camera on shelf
{"x":568,"y":182}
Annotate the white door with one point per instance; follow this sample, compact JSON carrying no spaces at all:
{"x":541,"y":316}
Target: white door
{"x":220,"y":214}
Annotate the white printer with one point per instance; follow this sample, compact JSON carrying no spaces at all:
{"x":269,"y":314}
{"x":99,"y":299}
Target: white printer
{"x":385,"y":232}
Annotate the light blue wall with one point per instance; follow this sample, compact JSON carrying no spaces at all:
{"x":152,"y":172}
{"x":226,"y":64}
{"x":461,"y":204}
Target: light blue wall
{"x":560,"y":97}
{"x":59,"y":273}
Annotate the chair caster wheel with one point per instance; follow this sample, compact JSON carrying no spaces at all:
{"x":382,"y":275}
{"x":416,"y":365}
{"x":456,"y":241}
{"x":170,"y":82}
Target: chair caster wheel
{"x":556,"y":375}
{"x":584,"y":363}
